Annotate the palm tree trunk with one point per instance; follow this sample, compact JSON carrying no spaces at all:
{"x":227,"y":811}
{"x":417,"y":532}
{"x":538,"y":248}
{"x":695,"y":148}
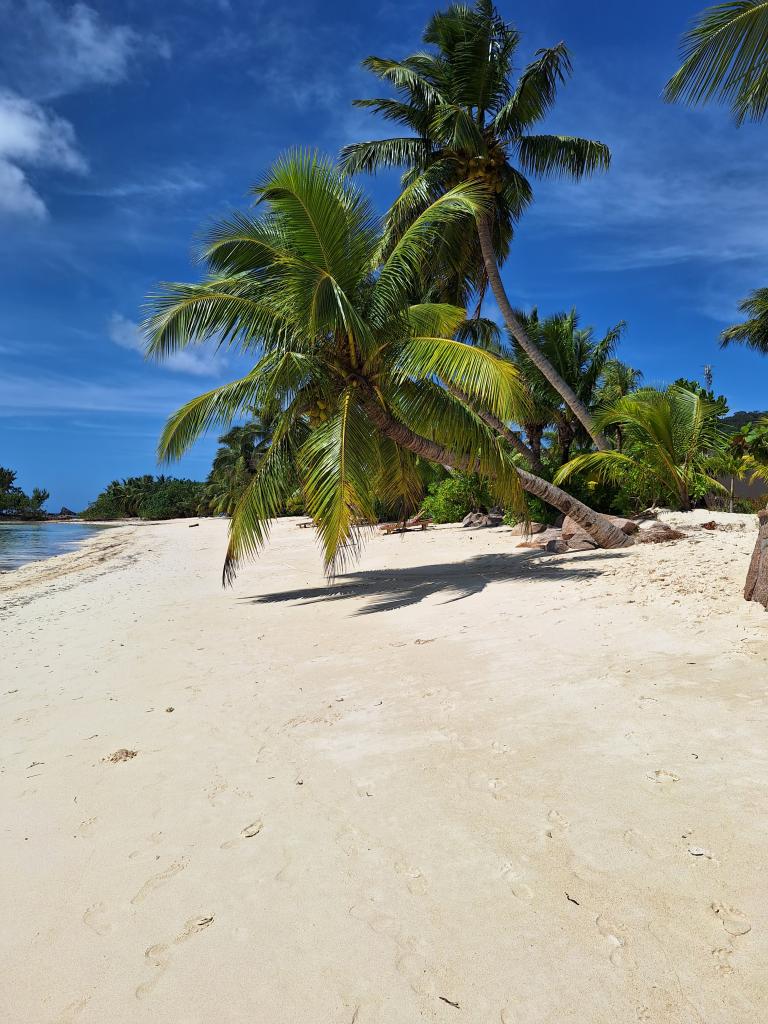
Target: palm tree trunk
{"x":531,"y":349}
{"x":756,"y":588}
{"x":598,"y":526}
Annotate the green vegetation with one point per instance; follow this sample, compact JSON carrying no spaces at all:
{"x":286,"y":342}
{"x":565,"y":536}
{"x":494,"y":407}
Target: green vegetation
{"x":378,"y":386}
{"x":147,"y":497}
{"x":14,"y":503}
{"x":726,"y":58}
{"x":671,"y":445}
{"x":451,"y":499}
{"x":235,"y":464}
{"x":469,"y":121}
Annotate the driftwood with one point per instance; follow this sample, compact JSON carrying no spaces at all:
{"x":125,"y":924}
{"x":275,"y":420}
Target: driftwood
{"x":756,"y":588}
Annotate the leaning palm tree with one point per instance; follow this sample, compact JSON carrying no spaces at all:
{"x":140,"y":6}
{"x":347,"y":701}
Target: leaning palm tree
{"x":355,"y":368}
{"x":672,"y":442}
{"x":468,"y":122}
{"x":725,"y":57}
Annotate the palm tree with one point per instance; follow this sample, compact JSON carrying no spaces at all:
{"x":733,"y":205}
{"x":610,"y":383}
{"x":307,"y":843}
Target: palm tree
{"x":672,"y":441}
{"x":236,"y":461}
{"x":579,"y":359}
{"x":725,"y":57}
{"x":470,"y":123}
{"x":353,"y":366}
{"x":754,"y":331}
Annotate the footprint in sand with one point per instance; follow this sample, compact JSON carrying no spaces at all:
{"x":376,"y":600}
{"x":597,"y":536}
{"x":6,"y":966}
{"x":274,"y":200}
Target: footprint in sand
{"x":722,"y":957}
{"x":415,"y":970}
{"x":620,"y":955}
{"x":486,"y":784}
{"x":95,"y":918}
{"x":517,"y":885}
{"x":74,"y":1009}
{"x":376,"y":916}
{"x":508,"y":1016}
{"x":158,"y":955}
{"x":734,"y":921}
{"x":558,"y":825}
{"x":247,"y":833}
{"x":662,"y":776}
{"x":642,"y":843}
{"x":155,"y":881}
{"x":416,"y":882}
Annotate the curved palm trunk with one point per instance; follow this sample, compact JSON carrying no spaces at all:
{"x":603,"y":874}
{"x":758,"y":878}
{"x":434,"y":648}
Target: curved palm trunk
{"x":599,"y":527}
{"x":534,"y":353}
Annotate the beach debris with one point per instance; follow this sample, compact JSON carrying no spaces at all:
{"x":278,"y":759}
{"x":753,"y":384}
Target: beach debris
{"x":572,"y":900}
{"x":191,"y":525}
{"x":299,"y":781}
{"x":123,"y":754}
{"x":252,"y":830}
{"x":34,"y":764}
{"x":661,"y":776}
{"x":430,"y":640}
{"x":169,"y":710}
{"x":699,"y":851}
{"x":450,"y":1002}
{"x":711,"y":525}
{"x":659,"y":534}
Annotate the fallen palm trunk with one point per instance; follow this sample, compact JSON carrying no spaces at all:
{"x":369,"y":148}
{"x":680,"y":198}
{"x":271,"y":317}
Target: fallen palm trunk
{"x":599,"y":527}
{"x":756,"y":588}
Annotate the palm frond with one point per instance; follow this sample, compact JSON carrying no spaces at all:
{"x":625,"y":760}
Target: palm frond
{"x":725,"y":56}
{"x":753,"y":332}
{"x":338,"y":464}
{"x":536,"y":91}
{"x":557,"y":156}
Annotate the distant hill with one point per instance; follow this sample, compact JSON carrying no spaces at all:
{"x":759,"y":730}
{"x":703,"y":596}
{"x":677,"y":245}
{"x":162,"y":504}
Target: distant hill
{"x":737,"y":420}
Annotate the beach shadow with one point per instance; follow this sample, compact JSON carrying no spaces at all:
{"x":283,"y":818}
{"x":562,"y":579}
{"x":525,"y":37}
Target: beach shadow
{"x":399,"y":588}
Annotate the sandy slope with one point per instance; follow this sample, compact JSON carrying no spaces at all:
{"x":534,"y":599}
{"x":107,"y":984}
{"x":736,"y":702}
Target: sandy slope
{"x":533,"y":786}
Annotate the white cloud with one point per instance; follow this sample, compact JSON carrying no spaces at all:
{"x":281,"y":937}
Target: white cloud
{"x":199,"y":363}
{"x":31,"y":136}
{"x":52,"y":50}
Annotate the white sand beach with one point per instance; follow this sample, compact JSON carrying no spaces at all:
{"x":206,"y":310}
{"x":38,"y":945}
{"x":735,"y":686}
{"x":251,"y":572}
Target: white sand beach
{"x":465,"y":783}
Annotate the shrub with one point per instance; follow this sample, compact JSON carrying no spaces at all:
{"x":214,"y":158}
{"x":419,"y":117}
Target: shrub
{"x":450,"y":500}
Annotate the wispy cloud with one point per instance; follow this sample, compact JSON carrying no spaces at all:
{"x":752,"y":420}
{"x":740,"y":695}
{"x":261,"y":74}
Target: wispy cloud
{"x":20,"y":393}
{"x":52,"y":50}
{"x":171,"y":185}
{"x":199,"y":362}
{"x":30,"y":136}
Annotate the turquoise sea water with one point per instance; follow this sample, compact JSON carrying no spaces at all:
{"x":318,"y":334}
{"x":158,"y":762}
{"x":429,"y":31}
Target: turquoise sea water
{"x":27,"y":542}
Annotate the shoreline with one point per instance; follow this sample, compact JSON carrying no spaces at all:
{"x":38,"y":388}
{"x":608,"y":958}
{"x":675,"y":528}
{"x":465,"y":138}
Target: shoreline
{"x":461,"y":771}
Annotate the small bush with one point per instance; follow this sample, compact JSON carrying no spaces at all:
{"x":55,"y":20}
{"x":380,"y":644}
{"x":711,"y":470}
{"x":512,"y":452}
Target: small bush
{"x":450,"y":500}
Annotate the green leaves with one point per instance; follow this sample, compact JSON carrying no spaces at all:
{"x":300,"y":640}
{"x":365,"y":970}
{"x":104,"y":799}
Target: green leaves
{"x":561,"y":156}
{"x":338,"y":465}
{"x":671,"y":441}
{"x":725,"y":57}
{"x":753,"y":332}
{"x":491,"y":381}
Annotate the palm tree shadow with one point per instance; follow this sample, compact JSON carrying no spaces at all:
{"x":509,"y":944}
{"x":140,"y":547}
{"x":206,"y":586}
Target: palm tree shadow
{"x":389,"y":589}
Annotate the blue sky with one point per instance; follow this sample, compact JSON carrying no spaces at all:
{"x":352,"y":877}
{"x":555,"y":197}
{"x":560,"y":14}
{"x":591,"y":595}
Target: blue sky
{"x":126,"y":127}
